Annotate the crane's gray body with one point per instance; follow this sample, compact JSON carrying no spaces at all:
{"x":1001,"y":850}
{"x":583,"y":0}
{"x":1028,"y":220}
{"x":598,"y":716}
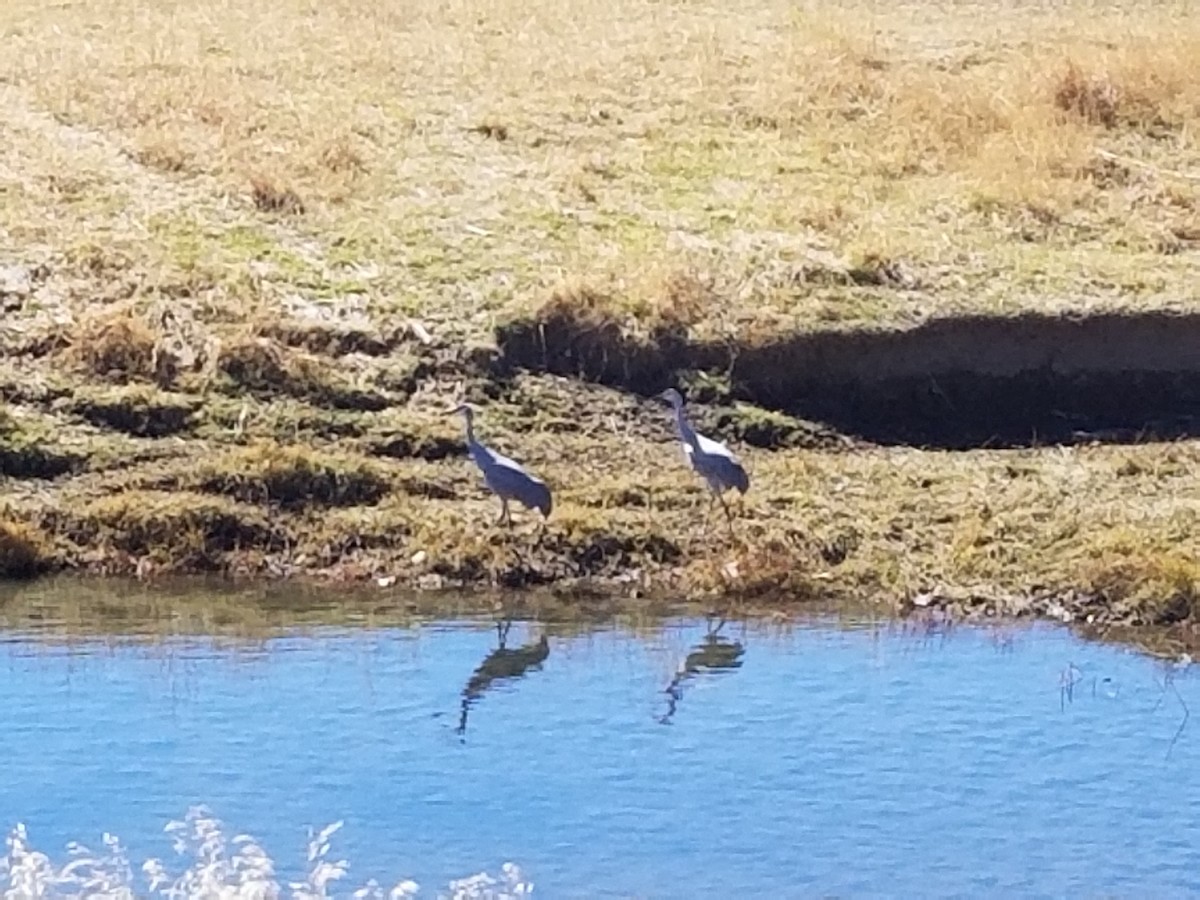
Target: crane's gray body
{"x":716,"y":464}
{"x":507,"y":478}
{"x":712,"y":460}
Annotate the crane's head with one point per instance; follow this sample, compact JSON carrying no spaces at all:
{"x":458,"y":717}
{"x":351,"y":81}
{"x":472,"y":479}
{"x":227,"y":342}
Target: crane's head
{"x":672,"y":396}
{"x":463,"y":409}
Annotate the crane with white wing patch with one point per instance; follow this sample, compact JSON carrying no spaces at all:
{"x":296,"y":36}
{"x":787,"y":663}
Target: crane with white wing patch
{"x":507,"y":478}
{"x":712,"y":460}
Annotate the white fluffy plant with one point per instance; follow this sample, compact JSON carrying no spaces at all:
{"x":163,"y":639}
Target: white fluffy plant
{"x":28,"y":873}
{"x":217,"y":868}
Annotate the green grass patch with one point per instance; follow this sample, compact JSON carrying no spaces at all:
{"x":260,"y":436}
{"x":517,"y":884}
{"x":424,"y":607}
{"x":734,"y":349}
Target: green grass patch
{"x":29,"y":449}
{"x":293,"y":476}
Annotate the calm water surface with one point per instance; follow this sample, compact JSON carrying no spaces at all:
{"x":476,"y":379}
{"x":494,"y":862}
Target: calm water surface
{"x":824,"y":757}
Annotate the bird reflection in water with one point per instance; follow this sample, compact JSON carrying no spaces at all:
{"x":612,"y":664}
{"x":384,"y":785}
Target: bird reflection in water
{"x":502,"y":664}
{"x":712,"y":655}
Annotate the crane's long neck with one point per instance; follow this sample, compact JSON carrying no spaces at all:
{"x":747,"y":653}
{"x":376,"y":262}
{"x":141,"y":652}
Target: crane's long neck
{"x":687,"y":434}
{"x":469,"y":421}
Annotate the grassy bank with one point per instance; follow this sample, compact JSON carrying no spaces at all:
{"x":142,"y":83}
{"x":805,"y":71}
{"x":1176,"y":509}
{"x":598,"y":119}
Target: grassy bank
{"x":248,"y":256}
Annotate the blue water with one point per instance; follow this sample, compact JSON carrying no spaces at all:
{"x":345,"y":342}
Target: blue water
{"x":825,"y":759}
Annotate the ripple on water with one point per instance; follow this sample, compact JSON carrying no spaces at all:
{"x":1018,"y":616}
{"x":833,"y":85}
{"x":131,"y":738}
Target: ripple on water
{"x":830,"y":759}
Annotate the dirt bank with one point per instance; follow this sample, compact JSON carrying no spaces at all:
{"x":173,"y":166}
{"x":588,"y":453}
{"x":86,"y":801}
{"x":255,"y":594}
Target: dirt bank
{"x":959,"y":382}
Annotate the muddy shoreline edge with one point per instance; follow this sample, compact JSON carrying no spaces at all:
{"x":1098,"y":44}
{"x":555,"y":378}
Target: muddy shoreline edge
{"x":307,"y":505}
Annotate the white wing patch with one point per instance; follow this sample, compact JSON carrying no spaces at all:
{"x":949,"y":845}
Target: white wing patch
{"x":710,"y":447}
{"x":492,"y":459}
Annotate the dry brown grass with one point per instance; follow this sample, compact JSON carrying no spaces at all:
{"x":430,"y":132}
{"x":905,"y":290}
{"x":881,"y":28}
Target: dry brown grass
{"x":654,"y":168}
{"x":270,"y":196}
{"x":1101,"y":532}
{"x":1112,"y":527}
{"x":24,"y":550}
{"x":136,"y":531}
{"x":266,"y":473}
{"x":616,"y":140}
{"x":263,"y":367}
{"x":1150,"y":581}
{"x":119,"y":345}
{"x":137,"y":409}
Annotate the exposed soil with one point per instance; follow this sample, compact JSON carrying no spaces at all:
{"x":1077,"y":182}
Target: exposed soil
{"x":953,"y":383}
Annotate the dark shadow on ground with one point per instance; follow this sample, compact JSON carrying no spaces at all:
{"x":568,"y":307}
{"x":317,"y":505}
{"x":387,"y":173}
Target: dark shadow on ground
{"x":950,"y":383}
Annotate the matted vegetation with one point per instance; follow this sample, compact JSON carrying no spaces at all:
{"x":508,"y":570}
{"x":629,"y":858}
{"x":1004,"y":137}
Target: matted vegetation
{"x":249,"y":253}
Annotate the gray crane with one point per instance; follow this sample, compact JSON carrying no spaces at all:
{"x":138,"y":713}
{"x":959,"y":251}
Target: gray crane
{"x":712,"y":460}
{"x":506,"y":477}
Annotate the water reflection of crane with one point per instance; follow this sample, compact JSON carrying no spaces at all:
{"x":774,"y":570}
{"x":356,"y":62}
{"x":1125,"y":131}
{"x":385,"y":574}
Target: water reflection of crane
{"x":502,"y":664}
{"x":712,"y":655}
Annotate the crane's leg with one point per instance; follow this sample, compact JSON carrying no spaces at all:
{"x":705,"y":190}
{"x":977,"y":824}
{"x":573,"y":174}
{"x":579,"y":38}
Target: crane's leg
{"x":505,"y":517}
{"x":728,"y":514}
{"x":462,"y":719}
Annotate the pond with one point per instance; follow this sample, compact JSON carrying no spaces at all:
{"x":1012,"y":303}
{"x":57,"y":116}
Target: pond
{"x":672,"y":757}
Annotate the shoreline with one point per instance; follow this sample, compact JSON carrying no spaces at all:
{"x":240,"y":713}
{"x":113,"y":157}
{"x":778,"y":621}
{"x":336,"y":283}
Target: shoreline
{"x":125,"y":477}
{"x":96,"y":606}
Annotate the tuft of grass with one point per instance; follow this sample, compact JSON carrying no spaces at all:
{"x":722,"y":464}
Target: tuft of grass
{"x":293,"y":477}
{"x":264,"y":367}
{"x":1094,"y":98}
{"x":408,"y":444}
{"x":227,"y":417}
{"x":772,"y":430}
{"x":165,"y":153}
{"x":657,"y":303}
{"x":776,"y":573}
{"x":25,"y":551}
{"x":139,"y":410}
{"x":32,"y":451}
{"x":178,"y":531}
{"x":271,"y":196}
{"x":343,"y":154}
{"x":330,"y":339}
{"x":1148,"y":587}
{"x":118,"y":345}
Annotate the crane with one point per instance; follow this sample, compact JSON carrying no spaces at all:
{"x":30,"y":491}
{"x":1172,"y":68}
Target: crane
{"x":712,"y":460}
{"x":507,"y":478}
